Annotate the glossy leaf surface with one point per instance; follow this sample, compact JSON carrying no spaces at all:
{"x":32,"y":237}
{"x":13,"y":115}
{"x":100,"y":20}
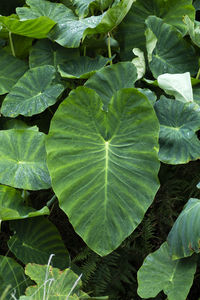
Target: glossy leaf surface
{"x":159,"y":272}
{"x":11,"y":69}
{"x":179,"y":123}
{"x":183,"y":238}
{"x":12,"y":205}
{"x":35,"y":239}
{"x":20,"y":166}
{"x":104,"y":164}
{"x":33,"y":93}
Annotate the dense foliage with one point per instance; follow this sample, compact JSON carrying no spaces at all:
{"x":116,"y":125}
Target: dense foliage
{"x":99,"y":149}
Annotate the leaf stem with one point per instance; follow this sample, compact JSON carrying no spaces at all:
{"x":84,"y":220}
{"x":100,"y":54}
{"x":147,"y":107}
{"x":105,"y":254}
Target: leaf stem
{"x":11,"y":44}
{"x":198,"y":74}
{"x":84,"y":51}
{"x":109,"y":49}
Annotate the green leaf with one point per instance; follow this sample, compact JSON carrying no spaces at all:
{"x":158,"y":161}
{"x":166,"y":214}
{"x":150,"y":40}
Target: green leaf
{"x":131,"y":31}
{"x":159,"y":272}
{"x":12,"y":205}
{"x":21,"y":44}
{"x":193,"y":30}
{"x":111,"y":79}
{"x":149,"y":94}
{"x":179,"y":123}
{"x":83,"y":6}
{"x":76,"y":28}
{"x":35,"y":239}
{"x":37,"y":28}
{"x":196,"y":94}
{"x":103,"y":174}
{"x":23,"y":159}
{"x":11,"y":273}
{"x":183,"y":238}
{"x":82,"y":67}
{"x":63,"y":16}
{"x":172,"y":54}
{"x":112,"y":18}
{"x":177,"y":85}
{"x":33,"y":93}
{"x":45,"y":52}
{"x":11,"y":69}
{"x":58,"y":285}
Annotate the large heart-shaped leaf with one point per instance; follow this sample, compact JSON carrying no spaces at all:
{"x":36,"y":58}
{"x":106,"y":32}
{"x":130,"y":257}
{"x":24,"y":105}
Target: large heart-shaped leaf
{"x":113,"y":78}
{"x":159,"y":272}
{"x":35,"y":239}
{"x":131,"y":30}
{"x":20,"y":166}
{"x":45,"y":52}
{"x":12,"y":205}
{"x":172,"y":54}
{"x":179,"y":123}
{"x":82,"y":67}
{"x":184,"y":236}
{"x":11,"y":273}
{"x":33,"y":93}
{"x":37,"y":28}
{"x":104,"y":164}
{"x":11,"y":69}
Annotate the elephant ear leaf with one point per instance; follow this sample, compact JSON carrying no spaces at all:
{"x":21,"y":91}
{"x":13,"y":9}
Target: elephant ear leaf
{"x":179,"y":123}
{"x":33,"y":93}
{"x":183,"y":238}
{"x":20,"y":166}
{"x":159,"y":272}
{"x":94,"y":158}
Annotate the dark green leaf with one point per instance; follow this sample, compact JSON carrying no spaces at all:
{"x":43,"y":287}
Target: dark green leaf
{"x":11,"y":69}
{"x":35,"y":239}
{"x":111,"y":79}
{"x":172,"y":54}
{"x":179,"y":123}
{"x":23,"y":159}
{"x":33,"y":93}
{"x":131,"y":31}
{"x":82,"y":67}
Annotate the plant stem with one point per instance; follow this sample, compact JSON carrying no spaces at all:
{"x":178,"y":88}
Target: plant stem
{"x":84,"y":51}
{"x":109,"y":49}
{"x":11,"y":44}
{"x":198,"y":74}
